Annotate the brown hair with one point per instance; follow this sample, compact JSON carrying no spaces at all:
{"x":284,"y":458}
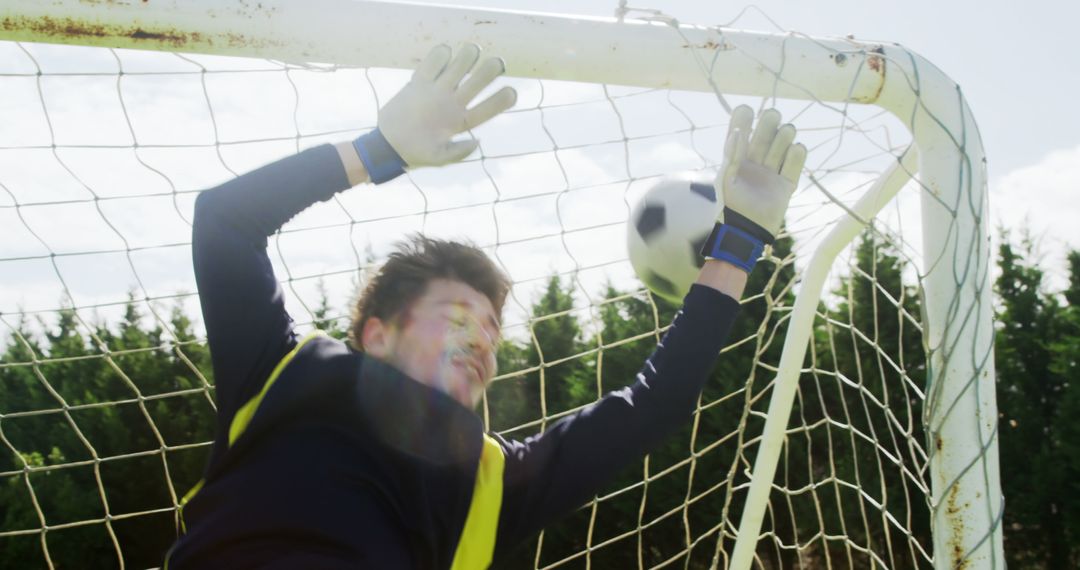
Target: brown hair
{"x":416,"y":262}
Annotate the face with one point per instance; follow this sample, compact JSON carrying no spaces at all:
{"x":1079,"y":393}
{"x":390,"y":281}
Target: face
{"x":446,"y":340}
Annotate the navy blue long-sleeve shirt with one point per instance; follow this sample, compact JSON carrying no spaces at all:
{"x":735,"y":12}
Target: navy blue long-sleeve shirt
{"x":349,"y":463}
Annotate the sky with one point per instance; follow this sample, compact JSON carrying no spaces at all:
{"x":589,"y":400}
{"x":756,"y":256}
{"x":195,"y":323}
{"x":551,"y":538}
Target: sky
{"x":1012,"y":60}
{"x":999,"y":51}
{"x":1004,"y":55}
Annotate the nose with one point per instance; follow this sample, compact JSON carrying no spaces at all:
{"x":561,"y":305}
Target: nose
{"x":479,"y":340}
{"x":472,"y":335}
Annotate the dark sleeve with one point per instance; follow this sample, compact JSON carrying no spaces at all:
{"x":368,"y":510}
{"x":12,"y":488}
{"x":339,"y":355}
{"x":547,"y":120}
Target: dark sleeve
{"x":247,"y":327}
{"x":549,"y":475}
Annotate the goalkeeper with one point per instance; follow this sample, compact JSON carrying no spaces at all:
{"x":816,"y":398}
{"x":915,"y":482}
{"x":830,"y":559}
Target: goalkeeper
{"x":369,"y":454}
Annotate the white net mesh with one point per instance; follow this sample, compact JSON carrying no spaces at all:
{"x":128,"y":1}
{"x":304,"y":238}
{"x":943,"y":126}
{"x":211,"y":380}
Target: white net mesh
{"x":106,"y":396}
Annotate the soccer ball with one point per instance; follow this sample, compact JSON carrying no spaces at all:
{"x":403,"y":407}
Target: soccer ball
{"x":666,"y":231}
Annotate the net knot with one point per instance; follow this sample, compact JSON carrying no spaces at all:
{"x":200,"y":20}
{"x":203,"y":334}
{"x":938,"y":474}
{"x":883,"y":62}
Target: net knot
{"x":647,"y":14}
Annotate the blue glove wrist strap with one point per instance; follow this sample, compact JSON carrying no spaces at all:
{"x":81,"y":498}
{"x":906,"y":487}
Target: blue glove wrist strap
{"x":733,"y":245}
{"x":382,"y":162}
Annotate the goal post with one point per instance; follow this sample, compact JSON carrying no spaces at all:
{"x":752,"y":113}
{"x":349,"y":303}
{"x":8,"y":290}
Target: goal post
{"x":944,"y":164}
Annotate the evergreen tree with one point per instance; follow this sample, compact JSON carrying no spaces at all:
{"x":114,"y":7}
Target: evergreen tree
{"x":53,"y":437}
{"x":1072,"y":293}
{"x":506,"y":401}
{"x":101,"y":383}
{"x":1065,"y":364}
{"x":557,"y":337}
{"x":869,"y":360}
{"x":630,"y":329}
{"x":1029,"y":393}
{"x":559,"y":382}
{"x":119,"y":393}
{"x":324,"y":317}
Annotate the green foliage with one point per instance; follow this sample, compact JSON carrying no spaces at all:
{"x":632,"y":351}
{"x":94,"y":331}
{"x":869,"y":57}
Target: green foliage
{"x":559,"y":379}
{"x":629,"y":328}
{"x":52,"y":472}
{"x":1065,"y":364}
{"x":563,"y":379}
{"x":870,"y":364}
{"x":79,"y":392}
{"x":1072,"y":292}
{"x":324,"y":317}
{"x":1036,"y":358}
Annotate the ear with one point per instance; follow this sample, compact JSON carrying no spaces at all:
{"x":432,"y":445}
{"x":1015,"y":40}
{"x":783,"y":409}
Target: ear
{"x":377,"y":337}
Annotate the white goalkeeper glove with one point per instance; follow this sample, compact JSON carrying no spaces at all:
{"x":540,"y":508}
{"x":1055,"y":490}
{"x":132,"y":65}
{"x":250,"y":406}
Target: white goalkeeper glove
{"x":417,"y":126}
{"x":758,"y":176}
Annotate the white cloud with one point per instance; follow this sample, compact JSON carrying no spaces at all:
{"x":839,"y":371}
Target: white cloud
{"x":1045,"y":198}
{"x":551,"y":204}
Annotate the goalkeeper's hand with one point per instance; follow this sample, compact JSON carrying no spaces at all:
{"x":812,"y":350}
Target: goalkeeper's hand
{"x":418,"y":125}
{"x":760,"y":172}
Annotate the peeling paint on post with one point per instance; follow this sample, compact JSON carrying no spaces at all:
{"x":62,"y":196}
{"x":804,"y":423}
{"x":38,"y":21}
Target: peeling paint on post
{"x":956,"y":540}
{"x":382,"y":34}
{"x":72,"y":31}
{"x":875,"y":62}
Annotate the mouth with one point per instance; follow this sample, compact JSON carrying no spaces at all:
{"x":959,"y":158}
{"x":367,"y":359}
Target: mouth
{"x":465,"y":388}
{"x":475,"y":371}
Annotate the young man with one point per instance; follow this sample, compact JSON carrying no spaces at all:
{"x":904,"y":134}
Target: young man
{"x":371,"y":455}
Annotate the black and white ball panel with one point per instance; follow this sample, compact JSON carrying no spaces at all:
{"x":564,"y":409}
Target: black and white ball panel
{"x":667,"y":228}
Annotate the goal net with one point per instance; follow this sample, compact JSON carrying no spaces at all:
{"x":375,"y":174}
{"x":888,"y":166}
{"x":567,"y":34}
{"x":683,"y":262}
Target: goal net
{"x":850,"y":421}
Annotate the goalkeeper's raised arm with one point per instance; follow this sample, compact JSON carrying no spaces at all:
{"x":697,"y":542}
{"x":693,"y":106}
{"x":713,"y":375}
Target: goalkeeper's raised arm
{"x":241,"y":301}
{"x":251,"y":335}
{"x":369,"y":454}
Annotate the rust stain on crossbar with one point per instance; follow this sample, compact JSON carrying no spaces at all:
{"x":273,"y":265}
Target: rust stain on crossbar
{"x":711,"y":45}
{"x":66,"y":30}
{"x":875,"y":61}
